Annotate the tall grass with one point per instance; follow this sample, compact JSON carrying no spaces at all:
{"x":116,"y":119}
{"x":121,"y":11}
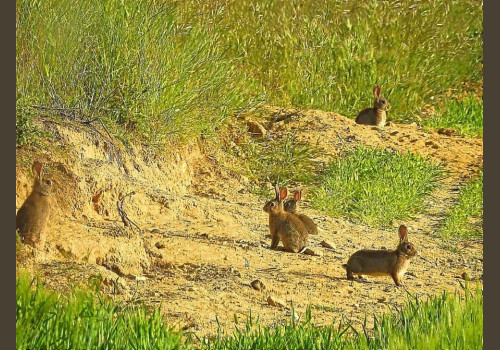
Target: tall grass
{"x":181,"y":69}
{"x":465,"y":218}
{"x":376,"y":186}
{"x":81,"y":320}
{"x":328,"y":54}
{"x":136,"y":65}
{"x":47,"y":320}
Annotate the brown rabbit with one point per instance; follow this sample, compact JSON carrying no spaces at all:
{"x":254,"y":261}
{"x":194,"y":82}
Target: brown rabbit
{"x":291,"y":206}
{"x":376,"y":115}
{"x":285,"y":226}
{"x":383,"y":262}
{"x":33,"y":215}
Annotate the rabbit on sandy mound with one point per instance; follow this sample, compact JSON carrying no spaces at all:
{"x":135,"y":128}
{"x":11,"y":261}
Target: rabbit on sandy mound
{"x":376,"y":115}
{"x":291,"y":206}
{"x":285,"y":226}
{"x":383,"y":262}
{"x":32,"y":217}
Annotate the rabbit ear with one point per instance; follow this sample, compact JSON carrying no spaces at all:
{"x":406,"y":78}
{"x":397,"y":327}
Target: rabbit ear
{"x":283,"y":193}
{"x":403,"y":233}
{"x":297,"y":196}
{"x":37,"y":168}
{"x":277,"y":191}
{"x":376,"y":91}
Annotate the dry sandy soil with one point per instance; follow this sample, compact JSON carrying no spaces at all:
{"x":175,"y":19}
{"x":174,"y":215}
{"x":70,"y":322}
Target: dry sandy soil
{"x":204,"y":237}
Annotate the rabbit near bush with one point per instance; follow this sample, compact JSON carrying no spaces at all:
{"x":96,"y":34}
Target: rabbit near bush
{"x":32,"y":217}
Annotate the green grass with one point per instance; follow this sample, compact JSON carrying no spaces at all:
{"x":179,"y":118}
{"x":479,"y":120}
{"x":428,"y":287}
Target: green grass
{"x":465,"y":218}
{"x":181,"y":69}
{"x":140,"y":67}
{"x":442,"y":322}
{"x":48,"y":320}
{"x":465,"y":116}
{"x":282,"y":161}
{"x":376,"y":187}
{"x":82,"y":320}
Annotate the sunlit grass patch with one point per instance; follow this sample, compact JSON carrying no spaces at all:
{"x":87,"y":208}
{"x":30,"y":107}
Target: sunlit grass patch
{"x":465,"y":116}
{"x":376,"y":186}
{"x":465,"y":218}
{"x":281,"y":161}
{"x":83,"y":320}
{"x":442,"y":322}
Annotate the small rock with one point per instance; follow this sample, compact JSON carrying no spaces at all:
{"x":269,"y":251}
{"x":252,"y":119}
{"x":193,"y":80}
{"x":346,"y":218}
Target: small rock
{"x":465,"y":276}
{"x":258,"y":285}
{"x":447,"y":131}
{"x":159,"y":245}
{"x":383,"y":248}
{"x":309,"y":251}
{"x":328,"y":244}
{"x":394,"y":133}
{"x":273,"y":301}
{"x":256,"y":128}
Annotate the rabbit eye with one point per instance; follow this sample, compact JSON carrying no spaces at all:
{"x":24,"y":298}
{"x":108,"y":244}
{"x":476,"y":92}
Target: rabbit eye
{"x":48,"y":182}
{"x":273,"y":204}
{"x":383,"y":101}
{"x":408,"y":247}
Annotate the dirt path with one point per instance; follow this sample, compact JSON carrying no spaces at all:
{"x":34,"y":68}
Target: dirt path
{"x":206,"y":237}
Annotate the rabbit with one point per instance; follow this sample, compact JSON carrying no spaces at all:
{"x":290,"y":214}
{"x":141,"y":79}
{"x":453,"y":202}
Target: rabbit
{"x":383,"y":262}
{"x":285,"y":226}
{"x":291,"y":205}
{"x":32,"y":217}
{"x":376,"y":115}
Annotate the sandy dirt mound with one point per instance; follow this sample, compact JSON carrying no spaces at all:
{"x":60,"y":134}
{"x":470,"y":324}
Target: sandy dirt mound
{"x":204,"y":238}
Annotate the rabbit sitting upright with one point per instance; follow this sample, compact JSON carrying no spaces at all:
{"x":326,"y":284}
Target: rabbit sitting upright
{"x":291,"y":206}
{"x":32,"y":217}
{"x":376,"y":115}
{"x":285,"y":226}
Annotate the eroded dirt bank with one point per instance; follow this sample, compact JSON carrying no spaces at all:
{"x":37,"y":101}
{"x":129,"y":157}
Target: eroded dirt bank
{"x":205,"y":237}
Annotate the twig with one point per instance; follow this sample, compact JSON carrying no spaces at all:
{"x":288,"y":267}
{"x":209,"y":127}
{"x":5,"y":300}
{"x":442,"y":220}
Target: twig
{"x":125,"y":219}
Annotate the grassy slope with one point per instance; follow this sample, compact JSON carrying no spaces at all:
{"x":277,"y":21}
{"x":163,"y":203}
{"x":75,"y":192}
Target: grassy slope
{"x":46,"y":320}
{"x":163,"y":70}
{"x":376,"y":186}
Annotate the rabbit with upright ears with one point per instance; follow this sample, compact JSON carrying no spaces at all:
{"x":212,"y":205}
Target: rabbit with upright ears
{"x":32,"y":217}
{"x":291,"y":206}
{"x":383,"y":262}
{"x":285,"y":226}
{"x":376,"y":115}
